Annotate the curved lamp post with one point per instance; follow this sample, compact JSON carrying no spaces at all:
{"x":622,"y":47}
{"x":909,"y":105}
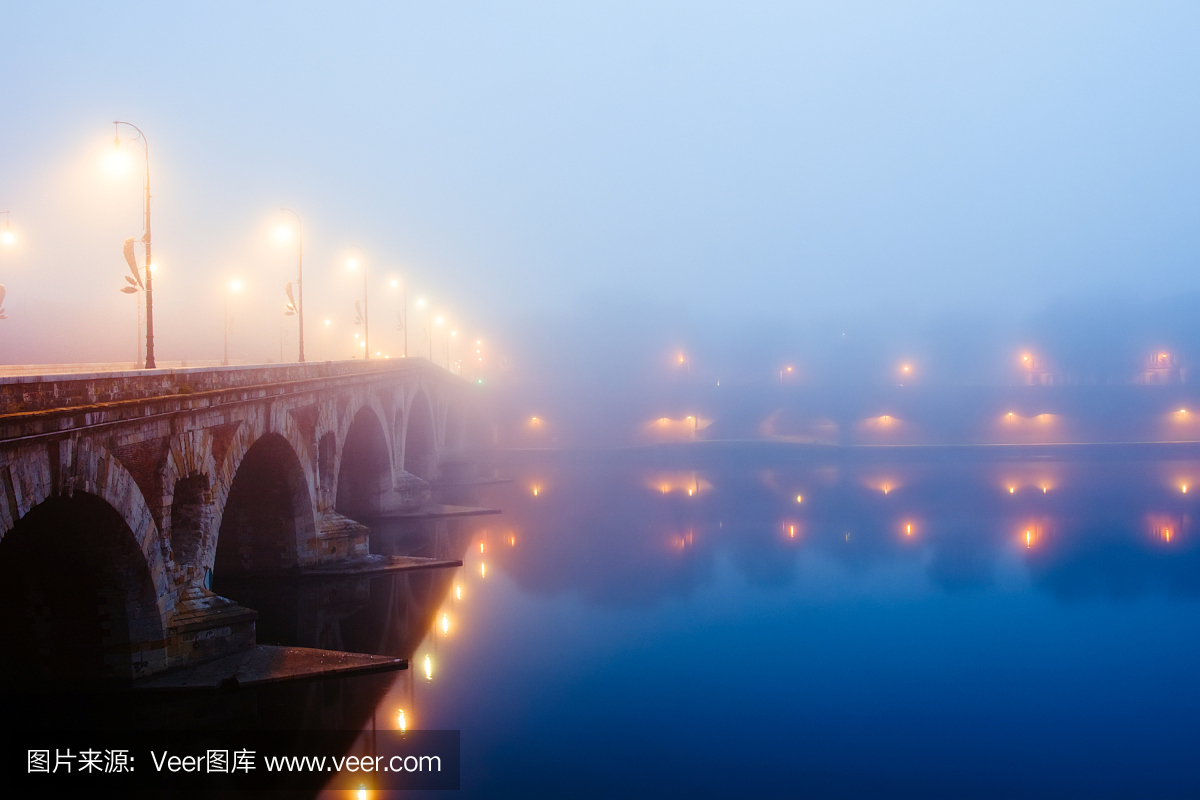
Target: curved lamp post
{"x":353,"y":264}
{"x":145,"y":240}
{"x":299,"y":277}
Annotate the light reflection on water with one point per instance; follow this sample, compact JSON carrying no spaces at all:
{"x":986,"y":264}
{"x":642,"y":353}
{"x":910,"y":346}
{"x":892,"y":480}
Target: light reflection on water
{"x":953,"y":626}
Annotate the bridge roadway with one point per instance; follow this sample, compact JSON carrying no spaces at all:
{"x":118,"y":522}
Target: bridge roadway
{"x":124,"y":492}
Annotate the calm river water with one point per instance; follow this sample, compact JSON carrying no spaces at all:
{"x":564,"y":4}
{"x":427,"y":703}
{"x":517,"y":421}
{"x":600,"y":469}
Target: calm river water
{"x":767,"y":622}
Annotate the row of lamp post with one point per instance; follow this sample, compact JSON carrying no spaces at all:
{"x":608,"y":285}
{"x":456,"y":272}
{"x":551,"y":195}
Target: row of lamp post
{"x":296,"y":306}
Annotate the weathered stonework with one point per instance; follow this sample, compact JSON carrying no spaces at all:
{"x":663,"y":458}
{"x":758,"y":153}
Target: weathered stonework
{"x":258,"y":455}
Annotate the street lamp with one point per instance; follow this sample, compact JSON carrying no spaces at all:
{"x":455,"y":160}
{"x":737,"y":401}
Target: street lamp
{"x":428,"y":329}
{"x":402,"y":317}
{"x":352,"y":264}
{"x":145,"y":239}
{"x":439,"y":324}
{"x":234,"y":286}
{"x":283,"y":232}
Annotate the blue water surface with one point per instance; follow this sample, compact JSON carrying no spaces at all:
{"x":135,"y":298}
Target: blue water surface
{"x":742,"y":621}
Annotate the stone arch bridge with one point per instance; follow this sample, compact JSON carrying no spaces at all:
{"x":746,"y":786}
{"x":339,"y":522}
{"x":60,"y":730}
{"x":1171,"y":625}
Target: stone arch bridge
{"x":121,"y":494}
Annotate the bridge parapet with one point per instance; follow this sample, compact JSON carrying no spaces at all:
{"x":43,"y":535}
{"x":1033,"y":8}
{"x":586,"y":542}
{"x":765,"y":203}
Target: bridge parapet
{"x":30,"y":393}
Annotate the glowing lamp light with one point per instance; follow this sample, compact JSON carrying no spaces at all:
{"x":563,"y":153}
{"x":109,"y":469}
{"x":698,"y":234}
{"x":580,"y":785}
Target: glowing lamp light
{"x":445,"y":623}
{"x":482,"y":570}
{"x":799,"y":498}
{"x":536,"y":490}
{"x":117,"y":162}
{"x":401,"y":721}
{"x":428,"y":667}
{"x":362,"y":793}
{"x":1012,"y":490}
{"x":235,"y":285}
{"x":481,"y":547}
{"x":395,"y":283}
{"x":458,"y":593}
{"x":1183,"y":488}
{"x":283,"y":233}
{"x":327,"y":322}
{"x":1028,"y":539}
{"x":7,"y":237}
{"x":352,"y":263}
{"x":792,"y":531}
{"x":512,"y":541}
{"x":908,"y":529}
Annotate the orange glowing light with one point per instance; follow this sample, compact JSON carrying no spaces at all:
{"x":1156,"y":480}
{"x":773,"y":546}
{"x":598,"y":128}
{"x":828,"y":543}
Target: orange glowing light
{"x":908,"y":529}
{"x":799,"y":498}
{"x":482,"y":570}
{"x":481,"y":547}
{"x":458,"y":593}
{"x":536,"y":490}
{"x":1183,"y":488}
{"x":792,"y":531}
{"x":688,"y":483}
{"x":1028,"y":539}
{"x":512,"y":541}
{"x":1012,"y":490}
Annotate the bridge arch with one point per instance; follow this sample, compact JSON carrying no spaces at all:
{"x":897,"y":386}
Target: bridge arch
{"x":267,"y":521}
{"x":365,"y":468}
{"x":420,"y":438}
{"x":80,"y":595}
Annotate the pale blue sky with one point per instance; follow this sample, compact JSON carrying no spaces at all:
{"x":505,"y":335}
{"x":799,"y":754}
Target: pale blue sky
{"x":756,"y":160}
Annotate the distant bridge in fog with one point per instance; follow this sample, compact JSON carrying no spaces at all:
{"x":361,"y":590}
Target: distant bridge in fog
{"x":123,"y":493}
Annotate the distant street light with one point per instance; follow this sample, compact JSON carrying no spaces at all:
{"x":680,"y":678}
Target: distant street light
{"x":402,"y":317}
{"x":145,"y":239}
{"x":299,"y":305}
{"x":428,"y":329}
{"x":234,"y":286}
{"x":352,"y":264}
{"x":7,"y":237}
{"x":439,"y":324}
